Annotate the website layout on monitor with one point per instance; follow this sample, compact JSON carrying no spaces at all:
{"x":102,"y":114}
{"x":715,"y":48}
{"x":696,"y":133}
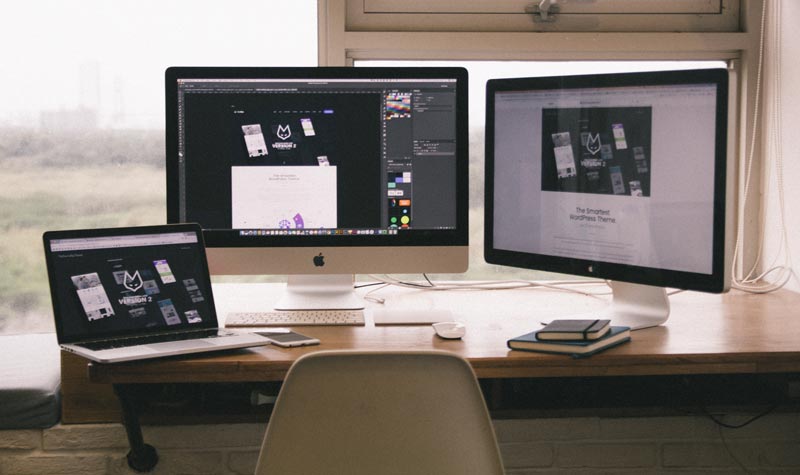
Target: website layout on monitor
{"x":621,"y":175}
{"x":109,"y":285}
{"x":317,"y":157}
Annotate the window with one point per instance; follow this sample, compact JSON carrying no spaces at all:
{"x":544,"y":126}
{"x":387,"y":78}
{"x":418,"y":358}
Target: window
{"x":82,"y":122}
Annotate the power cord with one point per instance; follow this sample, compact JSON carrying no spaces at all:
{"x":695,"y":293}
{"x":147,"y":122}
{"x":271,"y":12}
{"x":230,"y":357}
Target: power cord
{"x":564,"y":286}
{"x":753,"y":281}
{"x":729,"y":451}
{"x":723,"y":425}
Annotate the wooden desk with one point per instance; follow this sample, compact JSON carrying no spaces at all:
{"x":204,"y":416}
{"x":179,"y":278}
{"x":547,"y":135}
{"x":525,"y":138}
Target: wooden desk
{"x":705,"y":334}
{"x":735,"y":333}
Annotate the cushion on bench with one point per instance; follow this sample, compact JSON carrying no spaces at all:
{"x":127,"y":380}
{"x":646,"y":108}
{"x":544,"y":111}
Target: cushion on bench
{"x":30,"y":381}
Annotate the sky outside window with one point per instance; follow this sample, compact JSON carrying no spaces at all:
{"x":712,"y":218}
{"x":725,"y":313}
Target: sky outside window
{"x":82,"y":116}
{"x":110,"y":56}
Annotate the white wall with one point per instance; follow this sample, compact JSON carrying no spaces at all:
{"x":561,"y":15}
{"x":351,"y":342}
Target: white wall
{"x":787,"y":51}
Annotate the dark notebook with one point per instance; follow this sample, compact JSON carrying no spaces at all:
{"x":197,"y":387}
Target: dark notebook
{"x":574,"y":330}
{"x":529,"y":342}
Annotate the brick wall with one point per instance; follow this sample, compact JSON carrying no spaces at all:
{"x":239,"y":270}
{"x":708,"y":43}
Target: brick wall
{"x":640,"y":445}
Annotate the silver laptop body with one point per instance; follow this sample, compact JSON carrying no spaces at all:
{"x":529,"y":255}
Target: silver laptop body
{"x":123,"y":294}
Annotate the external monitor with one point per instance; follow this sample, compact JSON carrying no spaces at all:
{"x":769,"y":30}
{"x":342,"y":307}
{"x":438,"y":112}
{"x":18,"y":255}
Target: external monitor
{"x":616,"y":176}
{"x":321,"y":173}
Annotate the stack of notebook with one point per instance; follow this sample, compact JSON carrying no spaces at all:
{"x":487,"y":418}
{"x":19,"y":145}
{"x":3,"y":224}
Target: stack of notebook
{"x":578,"y":338}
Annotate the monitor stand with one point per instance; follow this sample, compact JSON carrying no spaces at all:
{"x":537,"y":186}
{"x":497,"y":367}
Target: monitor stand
{"x":320,"y":292}
{"x":637,"y":306}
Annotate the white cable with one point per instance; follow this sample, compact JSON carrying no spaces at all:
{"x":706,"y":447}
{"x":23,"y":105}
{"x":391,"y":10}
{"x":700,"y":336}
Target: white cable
{"x":751,"y":282}
{"x":785,"y":272}
{"x":751,"y":152}
{"x":785,"y":269}
{"x":494,"y":285}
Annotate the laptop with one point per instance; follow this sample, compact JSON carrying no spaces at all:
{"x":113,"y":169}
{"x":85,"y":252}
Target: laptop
{"x":134,"y":293}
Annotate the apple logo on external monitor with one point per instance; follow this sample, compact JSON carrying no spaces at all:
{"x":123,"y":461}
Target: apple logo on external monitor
{"x":319,"y":260}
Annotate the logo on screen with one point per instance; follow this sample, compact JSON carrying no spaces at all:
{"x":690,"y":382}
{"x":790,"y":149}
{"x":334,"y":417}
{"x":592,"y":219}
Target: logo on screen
{"x":132,"y":282}
{"x":284,"y":132}
{"x":593,"y":143}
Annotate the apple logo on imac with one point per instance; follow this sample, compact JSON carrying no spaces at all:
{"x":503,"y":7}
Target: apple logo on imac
{"x":319,"y":260}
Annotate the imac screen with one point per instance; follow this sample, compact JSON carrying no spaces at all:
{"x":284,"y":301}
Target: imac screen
{"x":315,"y":152}
{"x":336,"y":163}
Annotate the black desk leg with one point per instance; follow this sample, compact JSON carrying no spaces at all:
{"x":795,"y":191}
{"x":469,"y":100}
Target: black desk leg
{"x":142,"y":457}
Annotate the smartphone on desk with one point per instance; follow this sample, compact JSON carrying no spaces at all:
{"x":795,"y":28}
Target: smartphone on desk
{"x":288,"y":339}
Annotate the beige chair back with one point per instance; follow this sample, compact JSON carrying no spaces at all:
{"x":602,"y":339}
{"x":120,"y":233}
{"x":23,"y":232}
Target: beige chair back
{"x":353,"y":412}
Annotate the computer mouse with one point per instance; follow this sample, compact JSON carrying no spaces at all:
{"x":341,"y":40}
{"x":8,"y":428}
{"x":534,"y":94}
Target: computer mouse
{"x":450,"y":330}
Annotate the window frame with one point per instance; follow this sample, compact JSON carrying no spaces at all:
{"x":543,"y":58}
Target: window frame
{"x":562,"y":15}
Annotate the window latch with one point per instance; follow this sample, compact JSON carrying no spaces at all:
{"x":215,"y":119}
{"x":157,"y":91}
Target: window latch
{"x":544,"y":11}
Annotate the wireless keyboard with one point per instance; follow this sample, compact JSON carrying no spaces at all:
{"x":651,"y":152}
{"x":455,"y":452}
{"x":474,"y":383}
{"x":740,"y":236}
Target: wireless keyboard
{"x":294,"y":318}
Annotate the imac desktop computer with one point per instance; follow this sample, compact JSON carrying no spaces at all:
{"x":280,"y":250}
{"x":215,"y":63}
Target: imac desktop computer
{"x":321,"y":173}
{"x":622,"y":177}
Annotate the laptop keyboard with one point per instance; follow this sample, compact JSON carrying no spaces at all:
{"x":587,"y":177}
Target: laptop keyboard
{"x":148,"y":339}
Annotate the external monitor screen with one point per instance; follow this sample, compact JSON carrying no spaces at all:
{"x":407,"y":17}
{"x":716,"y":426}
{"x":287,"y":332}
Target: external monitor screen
{"x":329,"y":165}
{"x":619,"y":176}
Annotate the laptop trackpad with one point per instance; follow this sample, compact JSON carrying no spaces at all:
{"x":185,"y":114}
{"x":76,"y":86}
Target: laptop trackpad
{"x":179,"y":345}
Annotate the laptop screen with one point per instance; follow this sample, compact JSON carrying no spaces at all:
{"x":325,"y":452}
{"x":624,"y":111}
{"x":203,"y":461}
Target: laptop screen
{"x":133,"y":281}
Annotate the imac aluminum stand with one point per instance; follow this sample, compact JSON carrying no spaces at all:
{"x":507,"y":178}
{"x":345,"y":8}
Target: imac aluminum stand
{"x":320,"y":292}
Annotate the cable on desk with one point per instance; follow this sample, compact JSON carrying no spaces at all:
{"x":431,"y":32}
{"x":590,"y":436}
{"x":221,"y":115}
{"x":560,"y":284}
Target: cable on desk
{"x":388,"y":280}
{"x":562,"y":286}
{"x":383,"y":284}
